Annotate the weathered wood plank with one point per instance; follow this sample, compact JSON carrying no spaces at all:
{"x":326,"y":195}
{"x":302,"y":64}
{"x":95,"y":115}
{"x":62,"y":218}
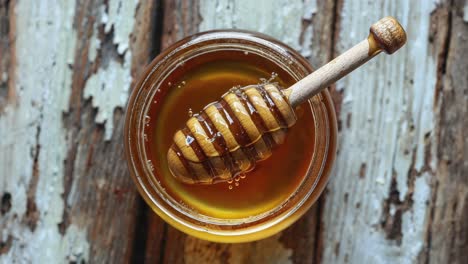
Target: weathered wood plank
{"x":181,"y":18}
{"x":378,"y":204}
{"x":66,"y":194}
{"x":448,"y":233}
{"x":32,"y":167}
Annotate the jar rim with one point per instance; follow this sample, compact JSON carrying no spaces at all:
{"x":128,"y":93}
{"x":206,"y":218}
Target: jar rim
{"x":204,"y":227}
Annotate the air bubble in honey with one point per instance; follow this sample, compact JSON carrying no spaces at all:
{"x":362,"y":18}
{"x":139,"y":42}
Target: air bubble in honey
{"x":147,"y":120}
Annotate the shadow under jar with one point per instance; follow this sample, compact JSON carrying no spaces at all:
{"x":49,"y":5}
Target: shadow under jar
{"x":182,"y":80}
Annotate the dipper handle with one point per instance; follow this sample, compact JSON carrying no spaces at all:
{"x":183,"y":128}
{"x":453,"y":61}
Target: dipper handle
{"x":385,"y":35}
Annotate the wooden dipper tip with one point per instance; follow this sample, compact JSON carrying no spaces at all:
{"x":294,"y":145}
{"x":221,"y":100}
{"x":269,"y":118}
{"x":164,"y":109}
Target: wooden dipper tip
{"x":389,"y":34}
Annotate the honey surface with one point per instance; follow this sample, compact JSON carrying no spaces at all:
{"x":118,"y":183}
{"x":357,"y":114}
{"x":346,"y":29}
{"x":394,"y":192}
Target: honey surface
{"x":191,"y":86}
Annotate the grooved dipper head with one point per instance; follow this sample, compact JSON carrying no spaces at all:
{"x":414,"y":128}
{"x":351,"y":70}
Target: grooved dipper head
{"x":389,"y":34}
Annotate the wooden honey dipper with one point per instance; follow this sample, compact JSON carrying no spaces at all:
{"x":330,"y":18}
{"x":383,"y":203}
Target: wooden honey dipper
{"x":228,"y":137}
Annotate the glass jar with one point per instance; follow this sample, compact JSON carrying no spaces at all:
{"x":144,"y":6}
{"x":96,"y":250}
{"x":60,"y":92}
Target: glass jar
{"x":162,"y":77}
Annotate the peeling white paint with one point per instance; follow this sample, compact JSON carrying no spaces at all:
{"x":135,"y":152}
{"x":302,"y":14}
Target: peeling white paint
{"x":109,"y":89}
{"x":120,"y":17}
{"x":94,"y":42}
{"x":109,"y":86}
{"x":391,"y":109}
{"x":263,"y":16}
{"x":309,"y":10}
{"x":45,"y":46}
{"x":75,"y":251}
{"x":257,"y":16}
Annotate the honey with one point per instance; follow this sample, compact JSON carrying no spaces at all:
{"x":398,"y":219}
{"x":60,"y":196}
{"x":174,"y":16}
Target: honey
{"x":178,"y":84}
{"x":192,"y":86}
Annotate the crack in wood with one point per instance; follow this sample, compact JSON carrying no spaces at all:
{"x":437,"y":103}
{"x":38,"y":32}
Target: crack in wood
{"x":363,"y":170}
{"x":163,"y":242}
{"x":5,"y":205}
{"x":156,"y":34}
{"x":446,"y":233}
{"x":7,"y":51}
{"x":4,"y":47}
{"x":441,"y":29}
{"x":442,"y":15}
{"x":427,"y":250}
{"x":181,"y":18}
{"x":141,"y":232}
{"x":393,"y":207}
{"x":336,"y":94}
{"x":32,"y":214}
{"x":6,"y":245}
{"x":392,"y":211}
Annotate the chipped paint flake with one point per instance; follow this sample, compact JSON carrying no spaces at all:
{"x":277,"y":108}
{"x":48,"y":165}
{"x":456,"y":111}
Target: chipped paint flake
{"x":109,"y":86}
{"x":121,"y":18}
{"x":74,"y":250}
{"x":46,"y":50}
{"x":109,"y":89}
{"x":392,"y":100}
{"x":309,"y":10}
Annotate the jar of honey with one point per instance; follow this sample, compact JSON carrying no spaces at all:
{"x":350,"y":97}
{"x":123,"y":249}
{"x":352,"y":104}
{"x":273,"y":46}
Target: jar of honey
{"x":181,"y":81}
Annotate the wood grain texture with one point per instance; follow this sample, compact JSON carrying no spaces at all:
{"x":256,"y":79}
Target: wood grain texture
{"x":399,"y":192}
{"x":448,"y":231}
{"x":378,"y":206}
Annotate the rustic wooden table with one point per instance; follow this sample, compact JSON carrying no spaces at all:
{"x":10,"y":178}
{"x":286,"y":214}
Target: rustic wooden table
{"x":399,"y":190}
